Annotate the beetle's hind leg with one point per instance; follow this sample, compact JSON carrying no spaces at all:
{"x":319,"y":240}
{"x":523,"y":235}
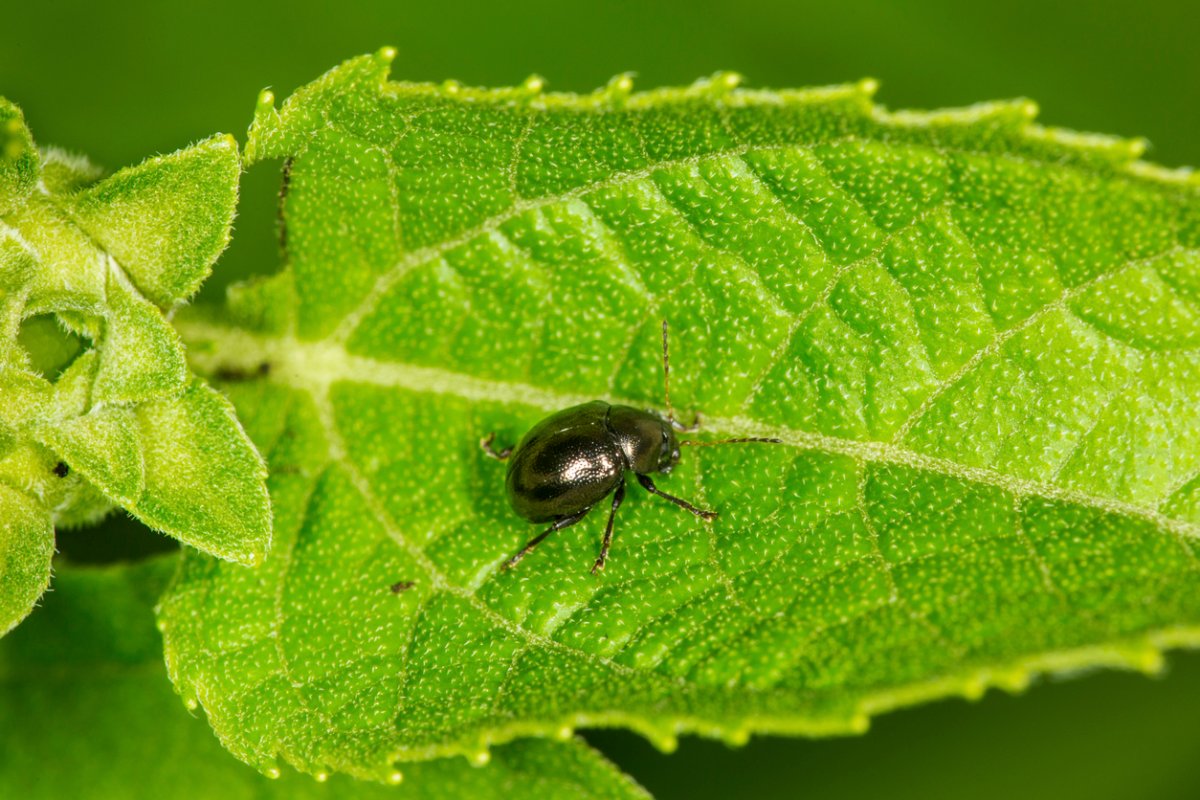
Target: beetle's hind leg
{"x":559,"y":524}
{"x":499,"y":455}
{"x":618,"y":496}
{"x":649,"y":486}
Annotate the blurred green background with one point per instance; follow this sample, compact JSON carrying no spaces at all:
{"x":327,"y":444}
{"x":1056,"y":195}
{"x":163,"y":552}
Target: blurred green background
{"x":124,"y":81}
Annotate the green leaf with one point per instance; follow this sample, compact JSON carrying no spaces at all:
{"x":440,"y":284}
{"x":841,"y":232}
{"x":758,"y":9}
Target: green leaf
{"x":97,"y":404}
{"x":86,"y":710}
{"x":18,"y":159}
{"x":165,"y":221}
{"x":975,"y":336}
{"x":26,"y":547}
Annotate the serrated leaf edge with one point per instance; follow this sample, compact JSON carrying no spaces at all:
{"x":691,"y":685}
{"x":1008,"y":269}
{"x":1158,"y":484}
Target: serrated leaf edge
{"x":1018,"y":114}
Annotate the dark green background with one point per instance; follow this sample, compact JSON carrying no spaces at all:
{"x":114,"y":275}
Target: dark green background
{"x":123,"y":81}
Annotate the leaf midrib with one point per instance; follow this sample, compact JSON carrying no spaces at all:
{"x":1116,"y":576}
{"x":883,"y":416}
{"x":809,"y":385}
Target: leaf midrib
{"x":313,"y":367}
{"x":412,"y":259}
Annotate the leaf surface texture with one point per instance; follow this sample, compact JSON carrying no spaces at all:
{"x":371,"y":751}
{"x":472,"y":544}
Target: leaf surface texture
{"x":976,"y":337}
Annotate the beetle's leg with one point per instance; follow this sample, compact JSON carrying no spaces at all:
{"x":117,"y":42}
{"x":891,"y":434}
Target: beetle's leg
{"x":649,"y":486}
{"x":559,"y":524}
{"x":499,"y":455}
{"x":608,"y":530}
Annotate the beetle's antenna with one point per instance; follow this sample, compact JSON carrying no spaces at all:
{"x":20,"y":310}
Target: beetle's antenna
{"x":667,"y":376}
{"x":692,"y":443}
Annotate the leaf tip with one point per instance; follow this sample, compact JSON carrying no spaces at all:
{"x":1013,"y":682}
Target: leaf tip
{"x":974,"y":687}
{"x":724,"y":82}
{"x":480,"y":758}
{"x":716,"y":85}
{"x":1137,"y":146}
{"x":534,"y":84}
{"x":386,"y":55}
{"x":256,"y":549}
{"x":395,"y":778}
{"x":619,"y":87}
{"x":867,"y":87}
{"x":736,"y":737}
{"x":1013,"y":681}
{"x":263,"y":128}
{"x":15,"y":140}
{"x":266,"y":101}
{"x":1148,"y":660}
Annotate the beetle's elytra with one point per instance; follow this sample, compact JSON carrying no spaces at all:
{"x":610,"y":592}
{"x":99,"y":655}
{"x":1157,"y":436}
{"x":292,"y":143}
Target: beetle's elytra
{"x":575,"y":458}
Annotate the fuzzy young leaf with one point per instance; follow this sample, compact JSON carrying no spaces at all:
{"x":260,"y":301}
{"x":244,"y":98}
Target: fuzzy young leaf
{"x":97,"y":405}
{"x":90,"y":661}
{"x":976,"y":338}
{"x":26,"y":547}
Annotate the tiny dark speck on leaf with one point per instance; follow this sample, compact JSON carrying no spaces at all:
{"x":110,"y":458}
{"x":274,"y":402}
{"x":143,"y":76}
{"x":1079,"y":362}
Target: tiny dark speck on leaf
{"x":402,"y":586}
{"x":61,"y":469}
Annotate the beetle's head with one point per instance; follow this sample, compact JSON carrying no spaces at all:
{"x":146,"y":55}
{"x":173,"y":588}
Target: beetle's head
{"x":647,"y":439}
{"x":668,"y":453}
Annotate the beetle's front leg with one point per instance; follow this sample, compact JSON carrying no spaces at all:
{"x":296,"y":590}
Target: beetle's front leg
{"x":649,"y":486}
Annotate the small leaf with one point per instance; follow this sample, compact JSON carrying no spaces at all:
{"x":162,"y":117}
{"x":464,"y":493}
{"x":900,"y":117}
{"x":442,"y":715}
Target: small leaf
{"x":974,"y":337}
{"x":202,"y":484}
{"x":16,"y":272}
{"x":91,"y":373}
{"x":18,"y":159}
{"x":26,"y":546}
{"x":142,"y":358}
{"x":90,"y":661}
{"x":166,"y":220}
{"x":64,"y":172}
{"x":104,"y":447}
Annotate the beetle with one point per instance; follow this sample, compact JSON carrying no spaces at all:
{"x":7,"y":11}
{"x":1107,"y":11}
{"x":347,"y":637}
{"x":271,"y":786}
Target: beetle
{"x":573,"y":459}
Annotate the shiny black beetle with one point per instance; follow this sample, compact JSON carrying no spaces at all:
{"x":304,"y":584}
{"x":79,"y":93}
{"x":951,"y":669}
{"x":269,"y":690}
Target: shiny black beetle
{"x":573,"y":459}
